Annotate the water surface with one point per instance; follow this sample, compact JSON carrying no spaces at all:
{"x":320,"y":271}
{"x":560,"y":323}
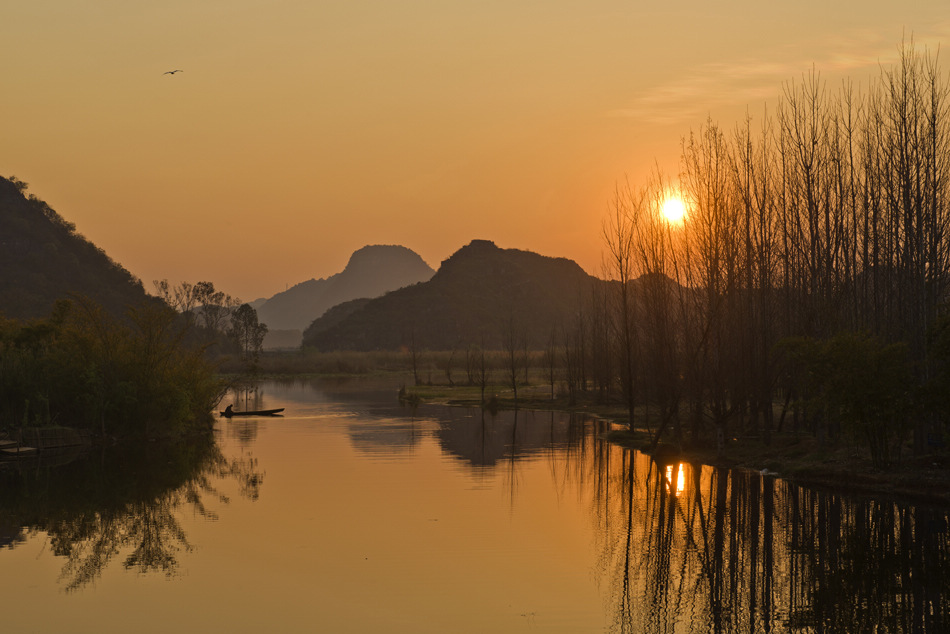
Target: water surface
{"x":354,"y":514}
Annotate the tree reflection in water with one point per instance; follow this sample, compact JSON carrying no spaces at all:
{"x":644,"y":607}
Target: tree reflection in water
{"x":122,"y":503}
{"x":723,"y":551}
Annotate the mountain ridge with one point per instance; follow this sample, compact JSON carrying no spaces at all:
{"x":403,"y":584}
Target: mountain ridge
{"x":44,"y":259}
{"x":479,"y":295}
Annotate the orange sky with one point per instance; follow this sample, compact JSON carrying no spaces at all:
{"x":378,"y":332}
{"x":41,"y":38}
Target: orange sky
{"x":300,"y":131}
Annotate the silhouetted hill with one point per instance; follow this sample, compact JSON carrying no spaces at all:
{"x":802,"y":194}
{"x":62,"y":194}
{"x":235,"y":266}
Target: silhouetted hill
{"x":337,"y":315}
{"x":44,"y":259}
{"x":371,"y":271}
{"x":478,"y":295}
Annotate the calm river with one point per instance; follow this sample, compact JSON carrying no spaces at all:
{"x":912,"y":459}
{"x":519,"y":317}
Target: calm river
{"x":354,"y":514}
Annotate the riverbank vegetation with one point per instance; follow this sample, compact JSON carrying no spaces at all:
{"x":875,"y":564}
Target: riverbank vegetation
{"x":84,"y":368}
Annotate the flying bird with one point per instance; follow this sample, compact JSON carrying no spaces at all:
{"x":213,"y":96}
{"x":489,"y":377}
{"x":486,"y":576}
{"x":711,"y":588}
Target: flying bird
{"x":172,"y":72}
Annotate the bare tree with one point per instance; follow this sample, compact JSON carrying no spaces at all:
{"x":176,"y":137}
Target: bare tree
{"x":618,"y":232}
{"x":512,"y":346}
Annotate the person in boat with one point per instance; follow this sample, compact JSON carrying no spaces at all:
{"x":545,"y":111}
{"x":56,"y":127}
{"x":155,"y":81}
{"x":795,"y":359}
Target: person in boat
{"x":228,"y":411}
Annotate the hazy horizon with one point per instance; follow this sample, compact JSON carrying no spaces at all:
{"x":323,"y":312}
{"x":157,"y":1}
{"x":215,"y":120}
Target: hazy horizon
{"x":296,"y":134}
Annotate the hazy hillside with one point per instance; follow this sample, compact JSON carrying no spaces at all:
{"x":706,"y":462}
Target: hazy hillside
{"x":371,"y":271}
{"x":43,"y":259}
{"x":477,"y":295}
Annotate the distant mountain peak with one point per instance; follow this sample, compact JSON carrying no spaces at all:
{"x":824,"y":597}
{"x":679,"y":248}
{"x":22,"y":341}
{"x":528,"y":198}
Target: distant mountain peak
{"x":475,"y":247}
{"x":370,"y":272}
{"x":480,"y":244}
{"x":375,"y":254}
{"x":482,"y":261}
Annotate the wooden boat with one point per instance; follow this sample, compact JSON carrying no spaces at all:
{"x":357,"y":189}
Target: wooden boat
{"x":259,"y":412}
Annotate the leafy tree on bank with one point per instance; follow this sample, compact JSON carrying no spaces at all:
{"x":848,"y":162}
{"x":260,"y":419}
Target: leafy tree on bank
{"x":248,"y":332}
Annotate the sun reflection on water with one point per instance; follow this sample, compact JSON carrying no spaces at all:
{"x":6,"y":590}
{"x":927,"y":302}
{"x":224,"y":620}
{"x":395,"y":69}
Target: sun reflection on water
{"x":677,"y":479}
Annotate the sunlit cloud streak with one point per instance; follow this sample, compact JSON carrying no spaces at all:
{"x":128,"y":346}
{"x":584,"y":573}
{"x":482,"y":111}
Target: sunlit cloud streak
{"x":707,"y":87}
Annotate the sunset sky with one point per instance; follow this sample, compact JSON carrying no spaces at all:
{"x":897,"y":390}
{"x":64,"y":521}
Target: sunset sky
{"x":299,"y":131}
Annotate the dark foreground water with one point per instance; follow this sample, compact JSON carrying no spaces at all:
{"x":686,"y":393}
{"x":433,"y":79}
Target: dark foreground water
{"x":353,"y":514}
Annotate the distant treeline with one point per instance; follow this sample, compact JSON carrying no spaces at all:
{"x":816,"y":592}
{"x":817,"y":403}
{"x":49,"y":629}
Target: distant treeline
{"x":811,"y":270}
{"x":228,"y":328}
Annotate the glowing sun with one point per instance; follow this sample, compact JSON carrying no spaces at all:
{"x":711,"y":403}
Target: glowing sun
{"x":674,"y":210}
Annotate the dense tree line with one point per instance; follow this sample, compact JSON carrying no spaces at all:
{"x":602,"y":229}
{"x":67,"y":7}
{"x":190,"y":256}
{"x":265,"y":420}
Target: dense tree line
{"x":84,"y":368}
{"x":152,"y":371}
{"x":811,"y":271}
